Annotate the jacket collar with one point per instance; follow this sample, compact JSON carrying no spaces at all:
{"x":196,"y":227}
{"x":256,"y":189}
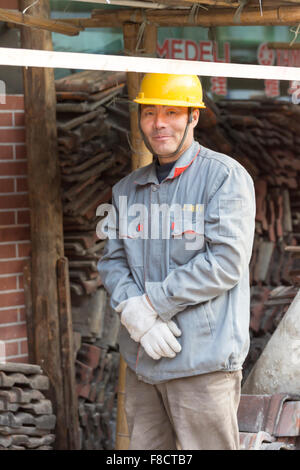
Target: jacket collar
{"x":183,"y":162}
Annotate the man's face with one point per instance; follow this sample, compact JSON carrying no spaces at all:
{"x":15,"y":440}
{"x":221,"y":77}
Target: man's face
{"x":164,"y":128}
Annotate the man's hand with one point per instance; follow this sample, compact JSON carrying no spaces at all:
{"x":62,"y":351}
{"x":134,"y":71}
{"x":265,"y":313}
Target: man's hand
{"x":137,"y":315}
{"x":160,"y":340}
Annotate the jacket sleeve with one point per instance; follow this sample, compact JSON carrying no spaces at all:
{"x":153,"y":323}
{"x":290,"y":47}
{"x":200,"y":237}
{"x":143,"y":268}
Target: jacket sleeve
{"x":113,"y":267}
{"x":229,"y":222}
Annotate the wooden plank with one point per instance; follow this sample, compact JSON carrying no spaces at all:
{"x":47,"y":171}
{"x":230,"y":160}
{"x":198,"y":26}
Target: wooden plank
{"x":29,"y":312}
{"x":130,"y":34}
{"x":72,"y":95}
{"x":67,"y":354}
{"x":293,"y":249}
{"x":90,"y":81}
{"x":68,"y":125}
{"x":283,"y":45}
{"x":22,"y":368}
{"x":34,"y":21}
{"x":46,"y":214}
{"x":141,"y":156}
{"x":283,"y":15}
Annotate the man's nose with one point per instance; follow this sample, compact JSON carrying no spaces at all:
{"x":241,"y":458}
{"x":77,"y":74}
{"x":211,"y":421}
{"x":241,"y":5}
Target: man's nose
{"x":159,"y":121}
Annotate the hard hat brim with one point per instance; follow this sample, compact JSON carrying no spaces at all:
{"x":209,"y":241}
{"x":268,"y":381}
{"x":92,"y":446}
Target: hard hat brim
{"x":162,"y":102}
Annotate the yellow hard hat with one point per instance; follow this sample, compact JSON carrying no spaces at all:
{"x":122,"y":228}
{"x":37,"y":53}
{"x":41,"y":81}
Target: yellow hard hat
{"x":171,"y":90}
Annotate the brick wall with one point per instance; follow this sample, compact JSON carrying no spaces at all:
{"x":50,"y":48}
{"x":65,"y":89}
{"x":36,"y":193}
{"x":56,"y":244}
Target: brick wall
{"x":14,"y":230}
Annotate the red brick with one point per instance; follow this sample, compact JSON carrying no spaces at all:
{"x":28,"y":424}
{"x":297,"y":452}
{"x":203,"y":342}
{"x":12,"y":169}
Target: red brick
{"x":8,"y":283}
{"x":7,"y":218}
{"x":12,"y":267}
{"x":21,"y":282}
{"x":7,"y":185}
{"x":22,"y":185}
{"x":12,"y":349}
{"x":12,"y":299}
{"x":9,"y":316}
{"x":15,"y":233}
{"x":8,"y":251}
{"x":20,"y":151}
{"x":24,"y":347}
{"x":6,"y":152}
{"x":20,"y":360}
{"x":20,"y":119}
{"x":6,"y":119}
{"x":22,"y":314}
{"x":23,"y":217}
{"x":14,"y":201}
{"x":24,"y":249}
{"x":12,"y":135}
{"x":13,"y":101}
{"x":13,"y":332}
{"x":13,"y":168}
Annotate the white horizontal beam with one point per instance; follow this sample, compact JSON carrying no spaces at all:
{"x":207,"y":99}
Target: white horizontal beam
{"x":83,"y":61}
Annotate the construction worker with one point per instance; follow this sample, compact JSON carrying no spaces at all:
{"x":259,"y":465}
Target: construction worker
{"x":178,"y":274}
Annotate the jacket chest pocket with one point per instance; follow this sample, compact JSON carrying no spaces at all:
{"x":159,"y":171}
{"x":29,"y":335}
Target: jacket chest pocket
{"x":186,"y":241}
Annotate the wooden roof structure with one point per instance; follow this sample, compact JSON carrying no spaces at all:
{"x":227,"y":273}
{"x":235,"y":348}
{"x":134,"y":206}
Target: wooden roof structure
{"x":181,"y":13}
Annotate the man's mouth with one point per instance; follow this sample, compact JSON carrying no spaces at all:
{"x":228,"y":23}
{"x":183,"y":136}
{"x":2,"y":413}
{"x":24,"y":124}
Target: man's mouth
{"x":161,"y":137}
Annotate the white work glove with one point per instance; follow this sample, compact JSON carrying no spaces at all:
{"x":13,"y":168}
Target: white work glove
{"x":160,"y":340}
{"x":137,"y":316}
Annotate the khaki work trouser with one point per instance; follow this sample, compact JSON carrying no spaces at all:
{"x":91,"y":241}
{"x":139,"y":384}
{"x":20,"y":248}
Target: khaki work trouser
{"x":192,"y":413}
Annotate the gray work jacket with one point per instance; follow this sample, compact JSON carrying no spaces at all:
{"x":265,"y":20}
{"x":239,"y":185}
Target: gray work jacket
{"x":198,"y":274}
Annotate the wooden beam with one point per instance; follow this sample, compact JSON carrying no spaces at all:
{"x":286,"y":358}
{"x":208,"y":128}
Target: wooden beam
{"x":215,"y":5}
{"x":67,"y":354}
{"x":283,"y":45}
{"x":283,"y":16}
{"x":55,"y":26}
{"x":205,"y":4}
{"x":140,"y":153}
{"x":140,"y":157}
{"x":46,"y":226}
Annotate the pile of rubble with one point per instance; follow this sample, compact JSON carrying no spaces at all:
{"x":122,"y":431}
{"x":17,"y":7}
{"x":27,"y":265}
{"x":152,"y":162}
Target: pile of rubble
{"x":97,"y":366}
{"x":94,"y":154}
{"x":92,"y":158}
{"x":26,"y":417}
{"x":269,"y":422}
{"x":97,"y":379}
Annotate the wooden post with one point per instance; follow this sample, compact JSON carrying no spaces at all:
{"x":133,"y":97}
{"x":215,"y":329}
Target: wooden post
{"x":140,"y":157}
{"x":67,"y":354}
{"x":28,"y":310}
{"x":122,"y":434}
{"x":140,"y":153}
{"x":46,"y":217}
{"x":281,"y":15}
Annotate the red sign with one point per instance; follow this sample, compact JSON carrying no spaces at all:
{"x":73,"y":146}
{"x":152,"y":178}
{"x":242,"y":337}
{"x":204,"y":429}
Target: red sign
{"x":207,"y":51}
{"x":280,"y":57}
